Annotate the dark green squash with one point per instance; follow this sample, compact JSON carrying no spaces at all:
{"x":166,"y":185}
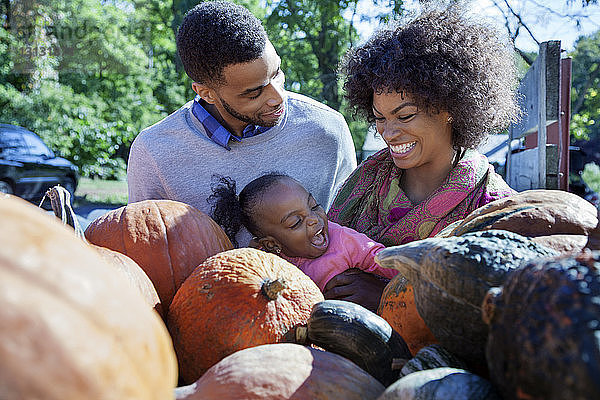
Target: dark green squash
{"x":429,"y":357}
{"x":544,"y":330}
{"x":451,"y":276}
{"x":441,"y":384}
{"x":358,"y":334}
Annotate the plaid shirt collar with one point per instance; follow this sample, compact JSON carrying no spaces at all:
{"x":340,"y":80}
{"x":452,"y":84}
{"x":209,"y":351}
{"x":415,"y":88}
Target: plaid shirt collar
{"x":217,"y":132}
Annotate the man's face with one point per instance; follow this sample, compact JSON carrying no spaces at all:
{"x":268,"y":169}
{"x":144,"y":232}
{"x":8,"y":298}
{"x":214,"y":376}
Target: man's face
{"x":253,"y":92}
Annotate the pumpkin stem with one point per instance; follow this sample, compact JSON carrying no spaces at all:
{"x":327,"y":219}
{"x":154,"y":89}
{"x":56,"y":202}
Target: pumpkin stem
{"x":301,"y":334}
{"x":271,"y":288}
{"x":60,"y":200}
{"x":488,"y":307}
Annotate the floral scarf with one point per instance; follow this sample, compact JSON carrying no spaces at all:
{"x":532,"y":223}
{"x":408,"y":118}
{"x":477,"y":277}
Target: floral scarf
{"x":372,"y":202}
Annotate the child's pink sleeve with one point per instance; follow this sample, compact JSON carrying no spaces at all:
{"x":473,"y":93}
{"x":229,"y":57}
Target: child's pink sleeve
{"x":362,"y":251}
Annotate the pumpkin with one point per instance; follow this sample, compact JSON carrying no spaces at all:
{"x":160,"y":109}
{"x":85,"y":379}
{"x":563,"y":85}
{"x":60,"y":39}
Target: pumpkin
{"x":237,"y":299}
{"x":69,"y":330}
{"x":60,"y":201}
{"x":537,"y":213}
{"x":544,"y":325}
{"x":134,"y":274}
{"x":397,"y":306}
{"x":429,"y":357}
{"x":441,"y":384}
{"x":452,"y":275}
{"x":283,"y":371}
{"x":358,"y":334}
{"x":166,"y":238}
{"x":564,"y":243}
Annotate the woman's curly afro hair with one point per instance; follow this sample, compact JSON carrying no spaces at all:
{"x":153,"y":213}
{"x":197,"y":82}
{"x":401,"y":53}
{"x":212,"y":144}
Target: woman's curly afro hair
{"x":445,"y":61}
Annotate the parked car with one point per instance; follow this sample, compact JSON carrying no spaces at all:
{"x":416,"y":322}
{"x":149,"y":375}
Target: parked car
{"x":28,"y":167}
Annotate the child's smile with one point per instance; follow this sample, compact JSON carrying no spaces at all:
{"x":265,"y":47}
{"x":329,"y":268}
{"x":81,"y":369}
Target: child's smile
{"x":291,"y":219}
{"x":320,"y":240}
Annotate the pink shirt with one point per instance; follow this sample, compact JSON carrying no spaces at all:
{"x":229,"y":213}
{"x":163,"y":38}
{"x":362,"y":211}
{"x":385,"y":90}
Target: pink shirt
{"x":347,"y":249}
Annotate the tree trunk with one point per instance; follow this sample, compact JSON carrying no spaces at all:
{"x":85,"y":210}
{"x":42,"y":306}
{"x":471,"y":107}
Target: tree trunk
{"x":327,"y":53}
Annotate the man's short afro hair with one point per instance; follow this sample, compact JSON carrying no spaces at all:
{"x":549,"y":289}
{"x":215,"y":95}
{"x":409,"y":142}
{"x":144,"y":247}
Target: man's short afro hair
{"x":445,"y":61}
{"x":216,"y":34}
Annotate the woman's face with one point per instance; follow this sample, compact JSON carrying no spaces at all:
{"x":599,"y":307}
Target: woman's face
{"x":294,"y":221}
{"x":415,"y":139}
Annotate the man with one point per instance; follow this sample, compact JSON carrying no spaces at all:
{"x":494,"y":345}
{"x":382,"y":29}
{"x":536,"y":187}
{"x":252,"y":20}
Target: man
{"x":242,"y":122}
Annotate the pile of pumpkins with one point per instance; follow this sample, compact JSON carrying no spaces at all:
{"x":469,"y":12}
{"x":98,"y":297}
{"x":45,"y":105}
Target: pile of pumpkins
{"x":152,"y":302}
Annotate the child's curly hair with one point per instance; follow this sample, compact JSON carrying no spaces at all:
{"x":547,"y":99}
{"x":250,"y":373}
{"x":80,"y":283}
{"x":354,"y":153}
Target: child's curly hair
{"x":445,"y":61}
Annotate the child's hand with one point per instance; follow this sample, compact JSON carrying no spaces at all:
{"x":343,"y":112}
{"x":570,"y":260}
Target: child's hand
{"x":356,"y":286}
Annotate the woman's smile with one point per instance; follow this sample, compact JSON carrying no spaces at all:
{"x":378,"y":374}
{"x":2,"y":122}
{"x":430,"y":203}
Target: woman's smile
{"x":402,"y":149}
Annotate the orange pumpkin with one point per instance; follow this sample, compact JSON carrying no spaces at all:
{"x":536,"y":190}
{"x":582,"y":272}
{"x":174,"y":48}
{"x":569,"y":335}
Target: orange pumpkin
{"x":397,"y":306}
{"x":283,"y":371}
{"x":237,"y":299}
{"x":166,"y":238}
{"x":134,"y":274}
{"x":69,"y":330}
{"x":60,"y":200}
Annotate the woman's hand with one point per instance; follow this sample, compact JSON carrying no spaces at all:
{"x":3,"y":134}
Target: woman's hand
{"x":356,"y":286}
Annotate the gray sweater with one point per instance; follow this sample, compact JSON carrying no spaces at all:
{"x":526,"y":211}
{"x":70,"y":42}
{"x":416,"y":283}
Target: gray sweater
{"x":174,"y":158}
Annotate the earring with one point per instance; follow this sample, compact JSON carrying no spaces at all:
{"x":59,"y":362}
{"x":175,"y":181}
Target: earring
{"x":277,"y":250}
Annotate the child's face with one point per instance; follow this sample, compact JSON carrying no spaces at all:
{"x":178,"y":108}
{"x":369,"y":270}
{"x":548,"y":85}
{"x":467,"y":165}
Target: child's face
{"x":290,"y":217}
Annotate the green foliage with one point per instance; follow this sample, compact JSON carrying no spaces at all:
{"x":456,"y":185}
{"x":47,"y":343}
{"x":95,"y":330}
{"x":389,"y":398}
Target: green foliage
{"x":114,"y":76}
{"x":71,"y":124}
{"x":108,"y":69}
{"x":591,"y":176}
{"x":311,"y":37}
{"x":111,"y":68}
{"x":585,"y":93}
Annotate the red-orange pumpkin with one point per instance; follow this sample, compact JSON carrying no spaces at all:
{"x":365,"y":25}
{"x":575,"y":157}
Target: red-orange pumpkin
{"x":166,"y":238}
{"x":237,"y":299}
{"x":69,"y":329}
{"x":283,"y":371}
{"x":397,"y":306}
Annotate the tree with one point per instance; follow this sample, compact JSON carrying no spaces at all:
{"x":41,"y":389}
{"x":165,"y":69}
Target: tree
{"x":113,"y":67}
{"x":103,"y":90}
{"x":514,"y":12}
{"x":585,"y":92}
{"x":585,"y":100}
{"x":311,"y":36}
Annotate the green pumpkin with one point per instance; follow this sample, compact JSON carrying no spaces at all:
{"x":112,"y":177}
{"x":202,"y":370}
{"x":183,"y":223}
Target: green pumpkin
{"x":544,"y":325}
{"x":429,"y":357}
{"x":451,"y":276}
{"x":358,"y":334}
{"x":441,"y":384}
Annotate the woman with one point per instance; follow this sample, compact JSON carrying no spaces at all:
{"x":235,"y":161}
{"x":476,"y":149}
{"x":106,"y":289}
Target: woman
{"x":435,"y":88}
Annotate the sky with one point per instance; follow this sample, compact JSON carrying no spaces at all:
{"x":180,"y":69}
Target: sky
{"x":546,"y":19}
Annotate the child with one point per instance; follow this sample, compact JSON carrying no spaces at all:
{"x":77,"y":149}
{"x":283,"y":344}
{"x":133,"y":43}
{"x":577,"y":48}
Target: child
{"x":286,"y":220}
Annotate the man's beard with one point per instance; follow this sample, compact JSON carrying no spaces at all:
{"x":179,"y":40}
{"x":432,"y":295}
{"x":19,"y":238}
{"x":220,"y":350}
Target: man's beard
{"x":248,"y":119}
